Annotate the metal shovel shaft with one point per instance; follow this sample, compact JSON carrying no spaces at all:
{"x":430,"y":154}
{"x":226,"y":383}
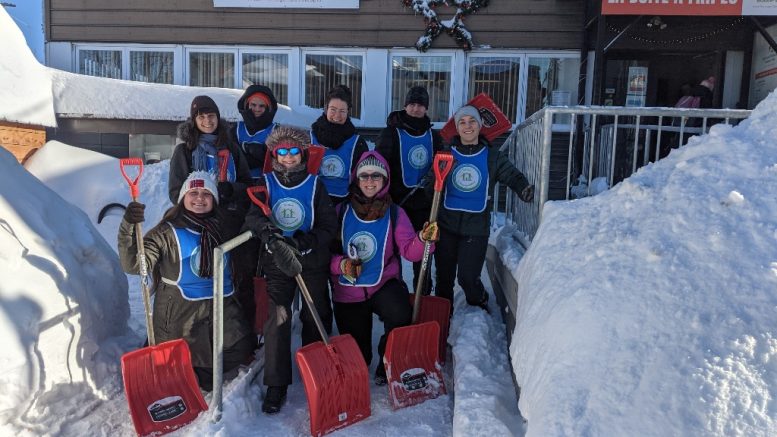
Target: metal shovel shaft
{"x":312,"y":308}
{"x":144,"y":283}
{"x":425,"y":260}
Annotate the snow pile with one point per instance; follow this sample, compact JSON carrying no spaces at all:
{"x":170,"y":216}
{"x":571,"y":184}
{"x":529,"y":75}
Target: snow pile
{"x":651,"y":309}
{"x":26,"y":85}
{"x":62,"y":294}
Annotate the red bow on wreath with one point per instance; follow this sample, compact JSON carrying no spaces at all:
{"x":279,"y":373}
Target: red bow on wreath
{"x":455,"y":27}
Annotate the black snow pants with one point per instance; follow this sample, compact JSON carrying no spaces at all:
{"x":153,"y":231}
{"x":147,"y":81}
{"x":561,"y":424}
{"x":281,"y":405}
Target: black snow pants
{"x":464,"y":256}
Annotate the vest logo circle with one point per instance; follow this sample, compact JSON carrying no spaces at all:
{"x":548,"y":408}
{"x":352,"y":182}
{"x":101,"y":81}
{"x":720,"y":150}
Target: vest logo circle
{"x":466,"y":177}
{"x":366,"y":245}
{"x":289,"y":214}
{"x":332,"y":167}
{"x":418,"y":156}
{"x":194,"y":261}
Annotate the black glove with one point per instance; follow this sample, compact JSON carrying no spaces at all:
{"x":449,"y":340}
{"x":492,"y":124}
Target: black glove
{"x":254,"y":152}
{"x":527,"y":194}
{"x":225,"y":190}
{"x":134,"y":213}
{"x":285,"y":257}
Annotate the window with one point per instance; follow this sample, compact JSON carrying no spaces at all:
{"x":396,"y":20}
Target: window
{"x":100,"y":63}
{"x":212,"y":69}
{"x":322,"y":72}
{"x":431,"y":72}
{"x":154,"y":67}
{"x":497,"y":77}
{"x":270,"y":70}
{"x":551,"y":81}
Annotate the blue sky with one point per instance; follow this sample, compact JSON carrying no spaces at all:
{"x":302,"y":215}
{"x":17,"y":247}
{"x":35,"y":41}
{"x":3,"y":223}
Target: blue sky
{"x":28,"y":15}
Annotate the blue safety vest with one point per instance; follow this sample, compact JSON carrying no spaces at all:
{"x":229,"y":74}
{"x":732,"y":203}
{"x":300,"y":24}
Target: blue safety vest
{"x":212,"y":163}
{"x":369,"y":238}
{"x":260,"y":137}
{"x":335,"y":170}
{"x":189,"y":283}
{"x":466,"y":188}
{"x":415,"y":156}
{"x":292,"y":207}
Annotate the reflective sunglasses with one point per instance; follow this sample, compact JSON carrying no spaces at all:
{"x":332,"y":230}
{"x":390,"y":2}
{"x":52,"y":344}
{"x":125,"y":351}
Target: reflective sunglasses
{"x":364,"y":177}
{"x":293,"y":151}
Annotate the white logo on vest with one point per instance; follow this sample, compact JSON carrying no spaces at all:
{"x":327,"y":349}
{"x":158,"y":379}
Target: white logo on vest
{"x":466,"y":177}
{"x":332,"y":167}
{"x":418,"y":156}
{"x":289,"y":214}
{"x":194,"y":261}
{"x":366,"y":245}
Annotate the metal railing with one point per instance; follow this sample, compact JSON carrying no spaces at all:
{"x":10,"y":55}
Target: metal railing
{"x":559,"y":145}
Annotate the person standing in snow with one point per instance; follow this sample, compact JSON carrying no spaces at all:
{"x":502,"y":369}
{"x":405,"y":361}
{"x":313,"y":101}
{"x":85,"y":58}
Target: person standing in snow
{"x":409,"y":143}
{"x":374,"y":232}
{"x":179,"y":252}
{"x":295,"y":240}
{"x":257,"y":106}
{"x":334,"y":130}
{"x":204,"y":134}
{"x":465,"y":213}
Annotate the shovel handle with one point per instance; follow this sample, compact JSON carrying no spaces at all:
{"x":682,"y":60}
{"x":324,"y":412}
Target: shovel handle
{"x":133,"y":184}
{"x":312,"y":308}
{"x":223,"y":157}
{"x":441,"y":171}
{"x":254,"y":192}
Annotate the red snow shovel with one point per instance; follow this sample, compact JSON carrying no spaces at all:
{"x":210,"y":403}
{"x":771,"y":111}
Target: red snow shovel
{"x":260,"y":283}
{"x":333,"y":371}
{"x":223,"y":159}
{"x":412,"y":356}
{"x":159,"y":380}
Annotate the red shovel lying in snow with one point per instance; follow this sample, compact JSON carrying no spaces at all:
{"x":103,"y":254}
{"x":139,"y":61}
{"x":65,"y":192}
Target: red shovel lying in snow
{"x":334,"y":373}
{"x":159,"y":380}
{"x":413,"y":353}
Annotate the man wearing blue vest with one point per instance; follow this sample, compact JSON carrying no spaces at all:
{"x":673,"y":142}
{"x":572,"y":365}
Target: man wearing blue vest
{"x":257,"y":106}
{"x":408,"y":143}
{"x":465,"y":213}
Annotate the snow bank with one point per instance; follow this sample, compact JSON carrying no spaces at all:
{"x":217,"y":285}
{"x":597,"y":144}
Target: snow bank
{"x":62,"y":294}
{"x":26,"y":85}
{"x":651,"y":309}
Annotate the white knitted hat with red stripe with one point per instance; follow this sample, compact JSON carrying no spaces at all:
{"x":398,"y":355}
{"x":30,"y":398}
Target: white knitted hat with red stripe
{"x":199,"y":179}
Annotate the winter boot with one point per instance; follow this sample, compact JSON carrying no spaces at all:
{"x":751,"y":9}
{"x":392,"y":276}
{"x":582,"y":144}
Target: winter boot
{"x":483,"y":303}
{"x":274,"y":399}
{"x":380,"y":375}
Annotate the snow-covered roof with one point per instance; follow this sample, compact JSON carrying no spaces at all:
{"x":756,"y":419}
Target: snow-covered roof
{"x":25,"y":85}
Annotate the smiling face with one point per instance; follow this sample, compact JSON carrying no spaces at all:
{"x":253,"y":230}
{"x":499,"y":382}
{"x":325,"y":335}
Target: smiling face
{"x":207,"y":123}
{"x":415,"y":110}
{"x":468,"y":129}
{"x":371,"y":183}
{"x":256,"y":105}
{"x":288,"y":160}
{"x":337,"y":111}
{"x":198,"y":201}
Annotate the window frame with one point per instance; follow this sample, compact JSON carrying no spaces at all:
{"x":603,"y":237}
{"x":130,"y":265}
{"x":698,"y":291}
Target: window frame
{"x":291,"y":93}
{"x":125,"y":50}
{"x":332,"y":52}
{"x":410,"y":52}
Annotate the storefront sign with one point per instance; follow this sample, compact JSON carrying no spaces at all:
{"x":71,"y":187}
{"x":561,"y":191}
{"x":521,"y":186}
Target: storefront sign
{"x":300,"y":4}
{"x":635,"y":94}
{"x":689,"y":7}
{"x":763,"y":78}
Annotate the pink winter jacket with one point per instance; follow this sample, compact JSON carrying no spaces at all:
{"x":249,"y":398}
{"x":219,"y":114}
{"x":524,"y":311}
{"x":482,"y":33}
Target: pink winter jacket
{"x":410,"y":247}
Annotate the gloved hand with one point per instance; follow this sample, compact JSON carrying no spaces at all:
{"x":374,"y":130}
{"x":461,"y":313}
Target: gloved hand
{"x":225,"y":190}
{"x":351,"y":268}
{"x":527,"y":194}
{"x":285,"y":257}
{"x":134,"y":213}
{"x":430,"y":232}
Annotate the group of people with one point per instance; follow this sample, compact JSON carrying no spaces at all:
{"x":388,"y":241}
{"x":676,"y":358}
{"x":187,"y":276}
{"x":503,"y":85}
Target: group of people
{"x":342,"y":217}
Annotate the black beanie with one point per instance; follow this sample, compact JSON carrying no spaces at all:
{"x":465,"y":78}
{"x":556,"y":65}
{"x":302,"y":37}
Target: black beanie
{"x":417,"y":94}
{"x":203,"y":105}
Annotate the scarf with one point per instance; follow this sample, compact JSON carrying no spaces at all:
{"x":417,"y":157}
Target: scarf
{"x":330,"y":134}
{"x":368,"y":208}
{"x":290,"y":177}
{"x":210,"y":237}
{"x":205,"y":147}
{"x":255,"y":124}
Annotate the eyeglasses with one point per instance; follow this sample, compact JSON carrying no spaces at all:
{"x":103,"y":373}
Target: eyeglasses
{"x":293,"y":151}
{"x":364,"y":177}
{"x":334,"y":110}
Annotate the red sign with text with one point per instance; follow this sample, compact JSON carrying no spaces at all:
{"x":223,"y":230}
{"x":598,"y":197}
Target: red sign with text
{"x":688,"y":7}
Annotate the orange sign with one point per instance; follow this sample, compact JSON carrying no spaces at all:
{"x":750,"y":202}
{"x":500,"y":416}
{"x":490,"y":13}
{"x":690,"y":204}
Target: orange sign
{"x":688,"y":7}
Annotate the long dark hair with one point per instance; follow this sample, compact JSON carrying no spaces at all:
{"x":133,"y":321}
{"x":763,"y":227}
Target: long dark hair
{"x":192,"y":134}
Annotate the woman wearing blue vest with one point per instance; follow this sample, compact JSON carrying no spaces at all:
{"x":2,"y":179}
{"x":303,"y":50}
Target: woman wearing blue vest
{"x":294,"y":240}
{"x":179,"y":253}
{"x":464,"y":216}
{"x":366,"y":276}
{"x":334,"y":130}
{"x":257,"y":106}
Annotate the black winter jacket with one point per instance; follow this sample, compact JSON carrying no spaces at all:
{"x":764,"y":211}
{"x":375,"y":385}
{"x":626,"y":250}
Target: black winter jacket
{"x":500,"y":169}
{"x":255,"y":153}
{"x":388,"y":146}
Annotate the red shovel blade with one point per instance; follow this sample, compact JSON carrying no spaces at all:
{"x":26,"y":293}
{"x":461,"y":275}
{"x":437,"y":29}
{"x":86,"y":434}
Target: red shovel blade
{"x":436,"y":309}
{"x":261,"y":303}
{"x":495,"y":122}
{"x":412,"y":369}
{"x":161,"y":388}
{"x":336,"y":383}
